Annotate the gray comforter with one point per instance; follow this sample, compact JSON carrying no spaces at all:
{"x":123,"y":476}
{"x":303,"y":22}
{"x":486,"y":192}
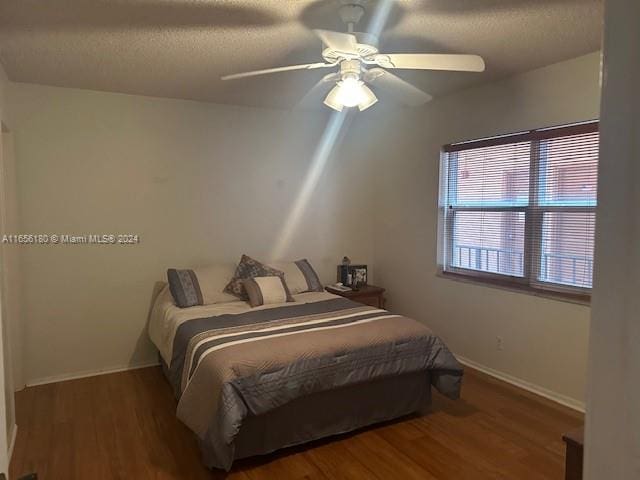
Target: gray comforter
{"x":226,"y":367}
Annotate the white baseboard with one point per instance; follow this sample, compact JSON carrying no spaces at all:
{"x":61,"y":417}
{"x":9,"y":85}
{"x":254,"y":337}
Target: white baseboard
{"x":12,"y":442}
{"x":569,"y":402}
{"x":88,"y":373}
{"x":530,"y":387}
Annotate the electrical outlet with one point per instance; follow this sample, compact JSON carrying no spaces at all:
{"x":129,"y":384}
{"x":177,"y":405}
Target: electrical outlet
{"x":500,"y":343}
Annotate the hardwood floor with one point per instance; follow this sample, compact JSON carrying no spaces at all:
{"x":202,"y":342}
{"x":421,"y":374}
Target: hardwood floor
{"x":122,"y":426}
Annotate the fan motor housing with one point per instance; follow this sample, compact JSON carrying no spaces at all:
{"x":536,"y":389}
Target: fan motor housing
{"x":350,"y":68}
{"x":366,"y":46}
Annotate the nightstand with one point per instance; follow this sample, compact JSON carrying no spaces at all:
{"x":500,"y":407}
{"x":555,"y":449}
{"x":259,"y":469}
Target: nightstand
{"x":368,"y":294}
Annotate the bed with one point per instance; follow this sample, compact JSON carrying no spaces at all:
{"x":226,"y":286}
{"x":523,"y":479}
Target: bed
{"x":253,"y":380}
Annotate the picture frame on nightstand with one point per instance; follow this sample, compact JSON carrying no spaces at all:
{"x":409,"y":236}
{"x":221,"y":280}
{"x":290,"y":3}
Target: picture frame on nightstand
{"x":358,"y":275}
{"x":353,"y":276}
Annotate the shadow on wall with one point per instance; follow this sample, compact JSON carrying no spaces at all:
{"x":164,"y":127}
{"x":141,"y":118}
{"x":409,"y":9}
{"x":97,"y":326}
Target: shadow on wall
{"x":143,"y":343}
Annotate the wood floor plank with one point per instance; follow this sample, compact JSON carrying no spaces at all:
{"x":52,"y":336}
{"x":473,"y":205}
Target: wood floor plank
{"x":336,"y":462}
{"x":123,"y":426}
{"x":441,"y":459}
{"x":384,"y":459}
{"x":294,"y":466}
{"x":24,"y":407}
{"x":40,"y":431}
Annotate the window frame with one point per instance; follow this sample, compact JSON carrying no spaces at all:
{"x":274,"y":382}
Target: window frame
{"x":533,"y":213}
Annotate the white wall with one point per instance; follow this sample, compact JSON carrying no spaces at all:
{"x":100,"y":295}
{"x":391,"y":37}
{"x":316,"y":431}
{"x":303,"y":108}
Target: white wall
{"x":8,"y":269}
{"x":612,"y":448}
{"x":198,"y":182}
{"x":11,"y":257}
{"x":545,"y":341}
{"x":204,"y":183}
{"x":9,"y":283}
{"x":4,"y":85}
{"x":9,"y":208}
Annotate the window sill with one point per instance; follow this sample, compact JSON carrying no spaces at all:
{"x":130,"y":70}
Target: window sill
{"x":576,"y":298}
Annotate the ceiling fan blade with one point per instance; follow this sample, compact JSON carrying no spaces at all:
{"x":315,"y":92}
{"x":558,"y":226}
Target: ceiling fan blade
{"x":431,"y":61}
{"x":402,"y":91}
{"x":314,"y":97}
{"x":307,"y":66}
{"x":340,"y":42}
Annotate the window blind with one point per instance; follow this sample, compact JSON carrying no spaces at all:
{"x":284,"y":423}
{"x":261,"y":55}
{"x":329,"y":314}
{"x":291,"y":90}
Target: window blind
{"x":522,"y":207}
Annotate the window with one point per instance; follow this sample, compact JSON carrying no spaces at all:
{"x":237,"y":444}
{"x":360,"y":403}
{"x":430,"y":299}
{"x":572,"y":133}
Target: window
{"x":520,"y":209}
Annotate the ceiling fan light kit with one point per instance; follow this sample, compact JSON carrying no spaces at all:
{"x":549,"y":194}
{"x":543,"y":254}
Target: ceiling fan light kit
{"x":350,"y":93}
{"x":350,"y":90}
{"x":360,"y":62}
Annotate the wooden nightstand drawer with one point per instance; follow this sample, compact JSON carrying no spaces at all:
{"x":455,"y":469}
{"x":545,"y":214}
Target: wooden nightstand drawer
{"x":368,"y":295}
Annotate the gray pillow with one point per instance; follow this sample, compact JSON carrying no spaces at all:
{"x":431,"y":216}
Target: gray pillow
{"x":184,"y":287}
{"x":201,"y":286}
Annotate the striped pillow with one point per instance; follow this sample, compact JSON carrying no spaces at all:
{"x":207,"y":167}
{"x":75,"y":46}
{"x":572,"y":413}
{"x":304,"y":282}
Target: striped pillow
{"x":200,"y":286}
{"x":267,"y":290}
{"x":184,"y":287}
{"x":300,"y":276}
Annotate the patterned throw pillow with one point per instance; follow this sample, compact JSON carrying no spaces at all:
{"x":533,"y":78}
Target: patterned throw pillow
{"x":267,"y":290}
{"x":248,"y":268}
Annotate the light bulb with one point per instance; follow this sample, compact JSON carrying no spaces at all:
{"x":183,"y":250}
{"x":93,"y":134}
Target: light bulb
{"x":350,"y":92}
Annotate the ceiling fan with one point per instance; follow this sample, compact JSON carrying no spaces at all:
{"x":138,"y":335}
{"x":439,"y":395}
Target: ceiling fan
{"x":361,"y":64}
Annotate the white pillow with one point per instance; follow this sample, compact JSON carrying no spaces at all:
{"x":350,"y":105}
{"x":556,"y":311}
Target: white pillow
{"x":299,"y":276}
{"x":213,"y":279}
{"x":267,"y":290}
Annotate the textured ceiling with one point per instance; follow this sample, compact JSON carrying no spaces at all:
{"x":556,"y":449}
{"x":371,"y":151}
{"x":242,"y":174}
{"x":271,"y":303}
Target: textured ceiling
{"x":180,"y":48}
